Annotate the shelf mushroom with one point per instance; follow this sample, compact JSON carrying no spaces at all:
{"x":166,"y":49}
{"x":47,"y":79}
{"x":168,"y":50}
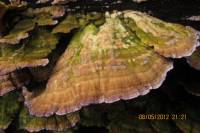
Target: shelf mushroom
{"x":126,"y":56}
{"x":12,"y":81}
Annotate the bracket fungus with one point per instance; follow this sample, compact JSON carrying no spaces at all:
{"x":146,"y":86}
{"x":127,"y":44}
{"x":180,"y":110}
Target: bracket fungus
{"x":54,"y":11}
{"x":123,"y":58}
{"x":63,"y":56}
{"x":4,"y":8}
{"x":22,"y":28}
{"x":32,"y":53}
{"x":12,"y":81}
{"x":53,"y":123}
{"x":10,"y":105}
{"x":79,"y":20}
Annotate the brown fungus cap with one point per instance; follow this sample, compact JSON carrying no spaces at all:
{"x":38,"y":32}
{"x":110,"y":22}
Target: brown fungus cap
{"x":168,"y":39}
{"x":112,"y":62}
{"x":32,"y":53}
{"x":6,"y":84}
{"x":22,"y":28}
{"x":13,"y":81}
{"x":52,"y":123}
{"x":54,"y":11}
{"x":9,"y":66}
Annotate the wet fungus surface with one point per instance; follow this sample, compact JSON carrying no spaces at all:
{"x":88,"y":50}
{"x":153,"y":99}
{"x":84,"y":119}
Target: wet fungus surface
{"x":113,"y":61}
{"x":56,"y":61}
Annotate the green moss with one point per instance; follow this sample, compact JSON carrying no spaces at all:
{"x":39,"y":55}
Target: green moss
{"x":147,"y":38}
{"x":74,"y":21}
{"x":76,"y":43}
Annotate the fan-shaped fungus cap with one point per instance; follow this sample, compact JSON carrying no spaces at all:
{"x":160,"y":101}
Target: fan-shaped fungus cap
{"x":6,"y":84}
{"x":54,"y":11}
{"x":168,"y":39}
{"x":111,"y":62}
{"x":9,"y":66}
{"x":22,"y":28}
{"x":78,"y":20}
{"x":55,"y":123}
{"x":30,"y":54}
{"x":19,"y":32}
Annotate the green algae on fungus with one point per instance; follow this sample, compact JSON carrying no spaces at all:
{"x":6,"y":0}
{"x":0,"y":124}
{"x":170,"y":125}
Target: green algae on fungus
{"x":10,"y":108}
{"x":25,"y":21}
{"x":19,"y":32}
{"x":4,"y":9}
{"x":31,"y":53}
{"x":112,"y":56}
{"x":9,"y":105}
{"x":102,"y":68}
{"x":78,"y":20}
{"x":42,"y":73}
{"x":52,"y":123}
{"x":113,"y":61}
{"x":168,"y":39}
{"x":22,"y":28}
